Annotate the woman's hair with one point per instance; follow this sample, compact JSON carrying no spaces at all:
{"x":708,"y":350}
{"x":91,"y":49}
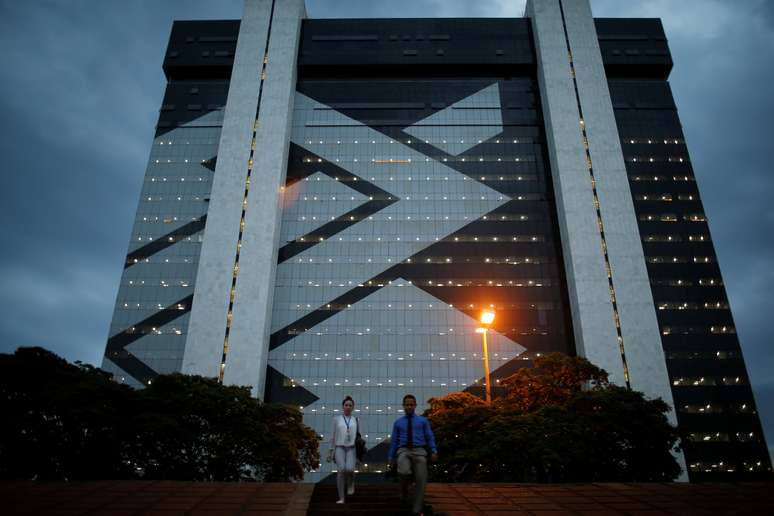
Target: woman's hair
{"x":348,"y":398}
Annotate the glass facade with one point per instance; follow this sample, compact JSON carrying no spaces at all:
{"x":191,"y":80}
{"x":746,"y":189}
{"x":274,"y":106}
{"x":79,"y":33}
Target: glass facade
{"x":411,"y":205}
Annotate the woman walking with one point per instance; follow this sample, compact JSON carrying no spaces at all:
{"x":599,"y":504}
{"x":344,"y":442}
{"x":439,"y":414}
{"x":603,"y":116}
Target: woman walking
{"x":343,"y":436}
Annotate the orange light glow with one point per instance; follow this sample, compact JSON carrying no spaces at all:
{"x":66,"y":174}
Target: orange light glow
{"x":487,"y":317}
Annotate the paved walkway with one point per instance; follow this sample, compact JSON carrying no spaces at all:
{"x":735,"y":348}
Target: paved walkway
{"x":137,"y":498}
{"x":146,"y":498}
{"x":602,"y":499}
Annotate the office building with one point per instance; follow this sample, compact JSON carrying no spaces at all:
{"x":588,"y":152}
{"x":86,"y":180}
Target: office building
{"x":330,"y":204}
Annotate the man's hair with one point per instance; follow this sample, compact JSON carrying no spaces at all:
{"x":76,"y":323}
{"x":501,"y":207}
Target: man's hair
{"x":409,"y":396}
{"x":348,"y":398}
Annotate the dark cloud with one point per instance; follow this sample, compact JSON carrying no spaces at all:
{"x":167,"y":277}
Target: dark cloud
{"x":82,"y":83}
{"x":81,"y":86}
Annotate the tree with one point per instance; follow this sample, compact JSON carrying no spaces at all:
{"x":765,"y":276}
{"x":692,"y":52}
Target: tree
{"x":549,"y":428}
{"x":65,"y":421}
{"x":194,"y":428}
{"x":552,"y":380}
{"x":458,"y":421}
{"x":628,"y":437}
{"x":61,"y":421}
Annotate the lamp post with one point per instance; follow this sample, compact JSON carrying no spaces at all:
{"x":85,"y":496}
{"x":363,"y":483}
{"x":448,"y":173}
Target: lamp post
{"x":487,"y":317}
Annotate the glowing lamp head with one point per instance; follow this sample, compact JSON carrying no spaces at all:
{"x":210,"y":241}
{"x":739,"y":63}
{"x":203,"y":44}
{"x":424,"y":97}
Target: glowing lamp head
{"x":487,"y":317}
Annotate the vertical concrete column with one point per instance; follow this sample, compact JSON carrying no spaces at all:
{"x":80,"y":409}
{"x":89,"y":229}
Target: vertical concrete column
{"x":557,"y":25}
{"x":250,"y":331}
{"x":587,"y":284}
{"x":639,"y":326}
{"x":207,"y":327}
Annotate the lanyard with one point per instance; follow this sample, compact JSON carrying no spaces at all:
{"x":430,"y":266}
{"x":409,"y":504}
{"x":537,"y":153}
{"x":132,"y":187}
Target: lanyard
{"x":347,"y":422}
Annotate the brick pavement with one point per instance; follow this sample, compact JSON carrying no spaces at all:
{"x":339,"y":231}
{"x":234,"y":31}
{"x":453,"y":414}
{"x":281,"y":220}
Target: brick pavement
{"x":601,"y":499}
{"x":162,"y":498}
{"x":166,"y":498}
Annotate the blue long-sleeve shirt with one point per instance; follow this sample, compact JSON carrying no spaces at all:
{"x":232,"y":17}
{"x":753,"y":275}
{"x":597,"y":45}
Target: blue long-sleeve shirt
{"x":422,"y":435}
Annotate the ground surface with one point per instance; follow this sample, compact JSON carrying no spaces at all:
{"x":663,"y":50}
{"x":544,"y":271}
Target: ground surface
{"x":121,"y":498}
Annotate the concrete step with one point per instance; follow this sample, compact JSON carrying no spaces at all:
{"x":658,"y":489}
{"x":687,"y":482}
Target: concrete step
{"x":373,"y":500}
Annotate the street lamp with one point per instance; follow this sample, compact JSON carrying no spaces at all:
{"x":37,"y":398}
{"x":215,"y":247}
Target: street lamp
{"x":487,"y":317}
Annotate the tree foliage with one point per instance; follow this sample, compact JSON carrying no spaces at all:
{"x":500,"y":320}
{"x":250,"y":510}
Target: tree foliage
{"x":559,"y":421}
{"x":553,"y":380}
{"x":65,"y":421}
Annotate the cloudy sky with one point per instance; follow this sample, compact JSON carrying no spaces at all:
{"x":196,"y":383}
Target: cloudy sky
{"x":79,"y":96}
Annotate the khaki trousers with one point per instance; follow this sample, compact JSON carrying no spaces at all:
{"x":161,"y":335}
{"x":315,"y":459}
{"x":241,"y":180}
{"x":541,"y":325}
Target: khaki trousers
{"x":413,"y":460}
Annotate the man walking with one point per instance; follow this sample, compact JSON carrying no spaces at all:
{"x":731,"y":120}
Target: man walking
{"x":412,"y":442}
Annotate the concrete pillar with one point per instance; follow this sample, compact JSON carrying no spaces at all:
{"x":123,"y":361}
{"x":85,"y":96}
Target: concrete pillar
{"x":564,"y":32}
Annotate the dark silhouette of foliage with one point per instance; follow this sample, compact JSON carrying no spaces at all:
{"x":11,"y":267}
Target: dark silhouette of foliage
{"x":194,"y":428}
{"x":60,"y":421}
{"x":65,"y":421}
{"x":560,"y":421}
